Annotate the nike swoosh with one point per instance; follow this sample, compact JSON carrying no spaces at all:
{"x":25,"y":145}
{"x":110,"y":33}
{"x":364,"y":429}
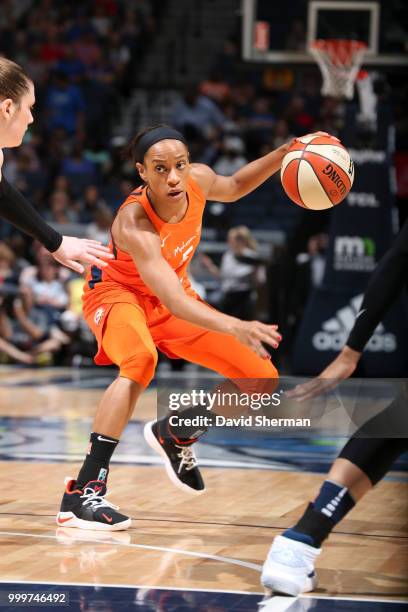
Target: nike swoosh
{"x":361,"y":312}
{"x":61,"y":521}
{"x":108,"y":518}
{"x":105,"y":440}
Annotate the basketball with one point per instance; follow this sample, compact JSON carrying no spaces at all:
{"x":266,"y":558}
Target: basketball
{"x":317,"y":172}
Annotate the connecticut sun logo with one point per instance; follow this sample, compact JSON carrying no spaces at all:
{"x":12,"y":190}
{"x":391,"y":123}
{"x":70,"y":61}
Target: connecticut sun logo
{"x":98,"y":315}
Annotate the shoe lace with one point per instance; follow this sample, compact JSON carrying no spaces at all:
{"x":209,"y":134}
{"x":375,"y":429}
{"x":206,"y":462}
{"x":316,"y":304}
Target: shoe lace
{"x":93,"y":499}
{"x":187,"y":457}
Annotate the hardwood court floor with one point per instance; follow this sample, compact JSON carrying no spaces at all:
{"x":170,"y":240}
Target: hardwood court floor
{"x":215,"y":541}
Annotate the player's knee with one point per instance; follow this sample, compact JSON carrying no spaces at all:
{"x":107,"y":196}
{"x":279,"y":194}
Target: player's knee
{"x":373,"y":456}
{"x":262,"y":368}
{"x":258,"y":376}
{"x":269,"y":370}
{"x":139,"y":367}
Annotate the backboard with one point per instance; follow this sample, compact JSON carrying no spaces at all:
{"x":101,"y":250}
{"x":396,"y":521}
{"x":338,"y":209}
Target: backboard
{"x":280,"y":32}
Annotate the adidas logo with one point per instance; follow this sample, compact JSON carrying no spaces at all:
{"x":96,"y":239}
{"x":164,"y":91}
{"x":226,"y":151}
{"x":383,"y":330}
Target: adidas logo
{"x":335,"y":331}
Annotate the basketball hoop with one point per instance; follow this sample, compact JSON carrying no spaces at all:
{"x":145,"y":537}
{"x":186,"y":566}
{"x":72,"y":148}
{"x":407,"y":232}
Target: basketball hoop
{"x":339,"y":62}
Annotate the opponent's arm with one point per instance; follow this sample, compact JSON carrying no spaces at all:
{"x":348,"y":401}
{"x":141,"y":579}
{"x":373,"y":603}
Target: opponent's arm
{"x":18,"y":211}
{"x":138,"y":237}
{"x":385,"y":285}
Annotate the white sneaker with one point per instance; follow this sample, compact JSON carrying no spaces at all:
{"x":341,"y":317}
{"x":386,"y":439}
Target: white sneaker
{"x":289,"y":567}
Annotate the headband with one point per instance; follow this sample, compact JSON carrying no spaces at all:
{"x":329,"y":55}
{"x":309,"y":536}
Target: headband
{"x":153,"y":136}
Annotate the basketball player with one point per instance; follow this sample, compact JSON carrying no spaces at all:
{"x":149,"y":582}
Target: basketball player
{"x":16,"y":103}
{"x":364,"y":461}
{"x":144,"y":300}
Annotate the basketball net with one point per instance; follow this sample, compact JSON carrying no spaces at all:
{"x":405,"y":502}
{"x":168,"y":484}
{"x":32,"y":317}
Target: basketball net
{"x":339,"y":62}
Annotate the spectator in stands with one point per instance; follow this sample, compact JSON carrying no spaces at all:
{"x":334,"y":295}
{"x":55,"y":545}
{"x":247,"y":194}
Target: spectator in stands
{"x":215,"y":88}
{"x":8,"y":350}
{"x":8,"y":280}
{"x":99,"y":229}
{"x":70,"y":65}
{"x":312,"y":263}
{"x":51,"y":49}
{"x":87,"y":49}
{"x":237,"y":273}
{"x":61,"y":183}
{"x":281,"y":134}
{"x":35,"y":67}
{"x":233,"y":122}
{"x":90,"y":202}
{"x":118,"y":54}
{"x":298,"y":118}
{"x":197,"y":111}
{"x":64,"y":104}
{"x":98,"y":154}
{"x":79,"y":171}
{"x":232,"y":156}
{"x":243,"y":95}
{"x":31,"y":330}
{"x":61,"y":212}
{"x":48,"y":291}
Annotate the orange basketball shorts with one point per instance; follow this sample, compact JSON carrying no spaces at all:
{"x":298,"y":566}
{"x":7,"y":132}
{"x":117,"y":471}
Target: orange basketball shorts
{"x":129,"y":330}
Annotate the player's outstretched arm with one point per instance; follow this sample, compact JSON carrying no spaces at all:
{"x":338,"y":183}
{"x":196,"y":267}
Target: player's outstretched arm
{"x":68,"y":251}
{"x":385,"y":285}
{"x":74,"y":250}
{"x":245,"y":180}
{"x":141,"y":241}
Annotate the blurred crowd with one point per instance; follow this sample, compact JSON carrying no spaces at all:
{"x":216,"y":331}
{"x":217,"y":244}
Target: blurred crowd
{"x":85,"y":59}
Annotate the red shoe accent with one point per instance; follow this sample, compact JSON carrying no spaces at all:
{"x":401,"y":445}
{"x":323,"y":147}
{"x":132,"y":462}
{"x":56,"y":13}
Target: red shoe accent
{"x":68,"y":487}
{"x":61,"y":521}
{"x":177,"y":441}
{"x":108,"y":518}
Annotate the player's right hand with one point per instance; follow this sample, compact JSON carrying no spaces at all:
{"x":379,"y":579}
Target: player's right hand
{"x":341,"y":368}
{"x":253,"y":333}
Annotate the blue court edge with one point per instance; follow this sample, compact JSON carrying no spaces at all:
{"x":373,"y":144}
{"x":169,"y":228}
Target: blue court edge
{"x":146,"y":599}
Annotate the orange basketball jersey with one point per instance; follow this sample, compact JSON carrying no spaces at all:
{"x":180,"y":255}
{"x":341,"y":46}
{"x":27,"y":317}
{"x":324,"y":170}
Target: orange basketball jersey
{"x":178,"y":244}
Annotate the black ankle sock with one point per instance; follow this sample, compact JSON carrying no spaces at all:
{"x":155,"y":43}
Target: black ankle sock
{"x":313,"y":528}
{"x":186,"y":433}
{"x":96,"y":464}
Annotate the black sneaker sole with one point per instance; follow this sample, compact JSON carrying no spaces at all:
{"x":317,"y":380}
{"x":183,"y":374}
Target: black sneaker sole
{"x":157,"y":447}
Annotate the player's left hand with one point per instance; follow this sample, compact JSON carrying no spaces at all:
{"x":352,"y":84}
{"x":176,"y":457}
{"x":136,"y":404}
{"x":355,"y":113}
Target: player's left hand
{"x":73,"y":250}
